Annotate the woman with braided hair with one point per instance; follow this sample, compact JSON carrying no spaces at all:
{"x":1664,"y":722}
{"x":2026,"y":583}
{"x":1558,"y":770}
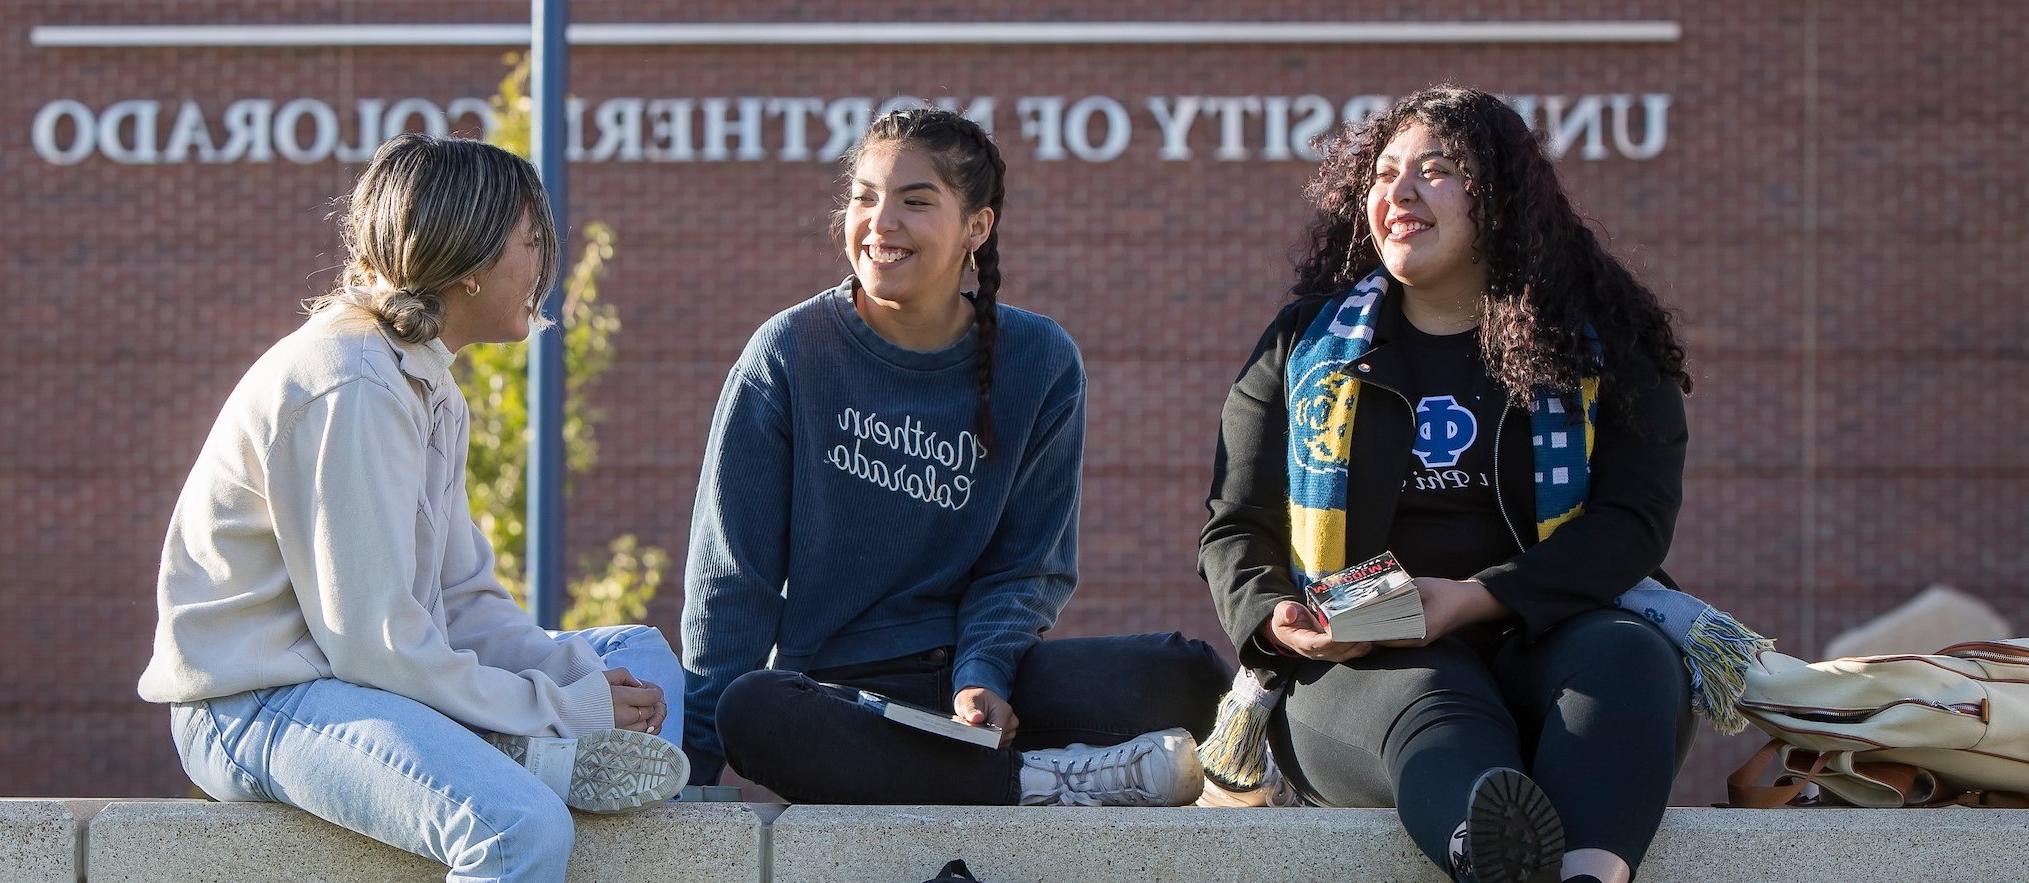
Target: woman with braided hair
{"x":1466,"y":378}
{"x":889,"y":503}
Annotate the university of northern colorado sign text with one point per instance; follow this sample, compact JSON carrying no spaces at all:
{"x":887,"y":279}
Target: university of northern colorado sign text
{"x":1092,"y":128}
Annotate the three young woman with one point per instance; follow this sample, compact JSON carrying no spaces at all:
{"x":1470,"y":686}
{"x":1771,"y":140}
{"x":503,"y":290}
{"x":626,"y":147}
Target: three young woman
{"x":331,"y":632}
{"x":889,"y":503}
{"x":1467,"y":379}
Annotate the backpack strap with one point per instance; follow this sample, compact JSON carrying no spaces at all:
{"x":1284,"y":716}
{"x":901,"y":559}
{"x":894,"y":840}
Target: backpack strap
{"x":1904,"y":779}
{"x":1743,"y":793}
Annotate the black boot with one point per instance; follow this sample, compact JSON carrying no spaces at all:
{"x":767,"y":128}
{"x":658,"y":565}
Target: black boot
{"x":1511,"y":833}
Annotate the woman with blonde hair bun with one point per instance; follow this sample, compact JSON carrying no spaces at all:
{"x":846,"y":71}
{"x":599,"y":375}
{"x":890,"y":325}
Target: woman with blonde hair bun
{"x":331,"y":633}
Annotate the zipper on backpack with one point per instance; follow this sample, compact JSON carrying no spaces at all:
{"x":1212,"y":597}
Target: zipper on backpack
{"x":1979,"y":710}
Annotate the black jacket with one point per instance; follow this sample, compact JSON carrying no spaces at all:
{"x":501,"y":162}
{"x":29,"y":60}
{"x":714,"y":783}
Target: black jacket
{"x":1623,"y":535}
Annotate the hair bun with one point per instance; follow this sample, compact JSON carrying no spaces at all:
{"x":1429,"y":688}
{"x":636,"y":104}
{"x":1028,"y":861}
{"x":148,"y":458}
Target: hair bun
{"x":413,"y":316}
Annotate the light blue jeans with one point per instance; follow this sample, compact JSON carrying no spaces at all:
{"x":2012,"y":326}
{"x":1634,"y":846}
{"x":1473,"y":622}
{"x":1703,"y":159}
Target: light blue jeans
{"x":398,"y":771}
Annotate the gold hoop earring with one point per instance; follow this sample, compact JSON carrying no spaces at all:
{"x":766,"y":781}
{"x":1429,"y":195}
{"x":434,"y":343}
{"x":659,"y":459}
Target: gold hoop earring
{"x":474,"y":292}
{"x":972,"y":261}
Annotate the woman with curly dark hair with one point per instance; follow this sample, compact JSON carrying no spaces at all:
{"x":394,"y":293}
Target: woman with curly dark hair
{"x":1466,"y":379}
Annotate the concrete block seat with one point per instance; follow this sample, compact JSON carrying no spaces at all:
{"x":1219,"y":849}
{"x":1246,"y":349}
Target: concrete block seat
{"x":825,"y":843}
{"x":38,"y":841}
{"x":194,"y":840}
{"x":250,"y":842}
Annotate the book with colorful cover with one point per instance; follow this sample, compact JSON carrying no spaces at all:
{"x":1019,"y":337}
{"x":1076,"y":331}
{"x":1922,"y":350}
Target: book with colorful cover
{"x":1374,"y":600}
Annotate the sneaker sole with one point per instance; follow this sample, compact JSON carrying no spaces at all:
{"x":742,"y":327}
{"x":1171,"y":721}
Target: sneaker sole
{"x":1513,"y":830}
{"x":614,"y":770}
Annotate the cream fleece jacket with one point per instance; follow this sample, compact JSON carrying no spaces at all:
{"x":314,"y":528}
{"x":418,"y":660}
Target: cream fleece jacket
{"x":324,"y":532}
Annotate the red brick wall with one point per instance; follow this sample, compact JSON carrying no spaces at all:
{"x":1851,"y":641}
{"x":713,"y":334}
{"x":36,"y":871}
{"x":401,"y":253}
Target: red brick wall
{"x":1839,"y":214}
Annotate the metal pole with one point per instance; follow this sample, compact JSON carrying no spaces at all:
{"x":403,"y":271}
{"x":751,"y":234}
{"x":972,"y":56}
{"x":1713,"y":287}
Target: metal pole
{"x":548,"y":64}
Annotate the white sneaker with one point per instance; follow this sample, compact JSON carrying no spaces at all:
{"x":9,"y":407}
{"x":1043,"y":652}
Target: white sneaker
{"x":601,"y":771}
{"x":1156,"y":769}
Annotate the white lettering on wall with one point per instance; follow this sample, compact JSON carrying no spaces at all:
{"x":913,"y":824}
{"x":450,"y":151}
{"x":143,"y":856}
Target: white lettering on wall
{"x":1655,"y":126}
{"x":1175,"y":123}
{"x":795,"y":112}
{"x":1053,"y":128}
{"x":1233,"y":113}
{"x":401,"y":117}
{"x":1567,"y":121}
{"x":744,"y":126}
{"x":1315,"y":119}
{"x":131,"y":144}
{"x":619,"y":122}
{"x":247,"y":131}
{"x":83,"y":132}
{"x":1078,"y":129}
{"x":480,"y":110}
{"x":1043,"y":124}
{"x":324,"y":128}
{"x":367,"y":114}
{"x":845,"y":120}
{"x":189,"y":133}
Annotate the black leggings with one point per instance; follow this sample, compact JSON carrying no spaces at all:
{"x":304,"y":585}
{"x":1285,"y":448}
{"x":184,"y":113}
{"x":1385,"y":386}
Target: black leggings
{"x":812,"y":744}
{"x":1597,"y":711}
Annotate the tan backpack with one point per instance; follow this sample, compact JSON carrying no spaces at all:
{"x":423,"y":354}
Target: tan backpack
{"x":1884,"y":731}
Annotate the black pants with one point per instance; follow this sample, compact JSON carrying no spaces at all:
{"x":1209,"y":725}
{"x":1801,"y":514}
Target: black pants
{"x":1597,"y":711}
{"x":811,"y":744}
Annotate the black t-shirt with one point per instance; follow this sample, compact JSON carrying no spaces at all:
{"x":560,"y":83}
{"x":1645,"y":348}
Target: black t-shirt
{"x":1448,"y":522}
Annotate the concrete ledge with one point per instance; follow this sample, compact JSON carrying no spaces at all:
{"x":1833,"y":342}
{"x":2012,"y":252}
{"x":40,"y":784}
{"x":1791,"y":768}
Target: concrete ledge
{"x":244,"y":842}
{"x":38,"y":841}
{"x":1841,"y":845}
{"x":822,"y":843}
{"x":815,"y":843}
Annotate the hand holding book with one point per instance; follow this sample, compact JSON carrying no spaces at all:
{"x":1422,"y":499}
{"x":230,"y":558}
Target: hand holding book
{"x":984,"y":734}
{"x":1294,"y":630}
{"x":979,"y":706}
{"x":1376,"y":603}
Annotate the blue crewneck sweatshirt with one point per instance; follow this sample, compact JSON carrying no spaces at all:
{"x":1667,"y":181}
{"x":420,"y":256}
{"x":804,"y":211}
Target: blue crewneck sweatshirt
{"x":848,"y":513}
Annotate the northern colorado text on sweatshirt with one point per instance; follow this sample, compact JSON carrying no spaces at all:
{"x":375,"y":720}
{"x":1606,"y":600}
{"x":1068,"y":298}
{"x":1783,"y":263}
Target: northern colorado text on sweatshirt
{"x":917,"y":474}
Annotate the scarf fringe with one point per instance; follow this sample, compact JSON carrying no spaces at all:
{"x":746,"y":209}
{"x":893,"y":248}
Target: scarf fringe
{"x":1235,"y":755}
{"x":1718,"y":651}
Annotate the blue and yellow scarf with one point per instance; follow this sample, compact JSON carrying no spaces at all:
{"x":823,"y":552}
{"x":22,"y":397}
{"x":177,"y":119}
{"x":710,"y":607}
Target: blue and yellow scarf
{"x":1323,"y":395}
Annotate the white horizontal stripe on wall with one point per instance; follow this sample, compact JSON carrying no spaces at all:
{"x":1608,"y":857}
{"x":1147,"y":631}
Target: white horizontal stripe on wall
{"x":859,"y":34}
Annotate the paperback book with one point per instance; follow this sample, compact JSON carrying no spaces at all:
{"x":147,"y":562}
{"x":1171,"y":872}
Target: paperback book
{"x":1374,"y":600}
{"x":986,"y":735}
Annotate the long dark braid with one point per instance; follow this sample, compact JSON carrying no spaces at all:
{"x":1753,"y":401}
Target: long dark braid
{"x":970,"y":163}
